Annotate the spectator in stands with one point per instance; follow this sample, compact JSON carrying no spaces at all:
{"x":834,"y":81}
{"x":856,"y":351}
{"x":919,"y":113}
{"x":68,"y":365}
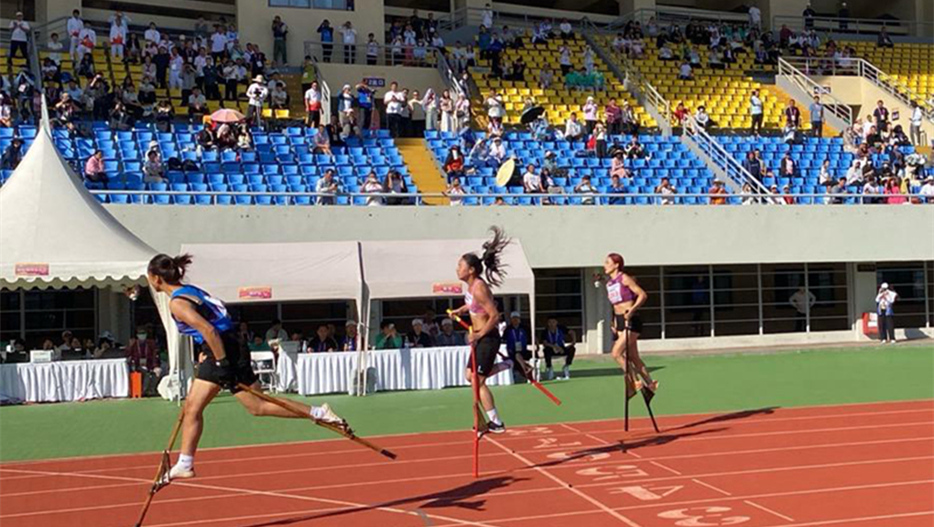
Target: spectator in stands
{"x":279,"y":48}
{"x":787,"y":167}
{"x":153,"y":169}
{"x":586,"y":187}
{"x":394,"y":101}
{"x":256,"y":93}
{"x":419,"y":338}
{"x":753,"y":165}
{"x":349,"y":38}
{"x":825,"y":177}
{"x":667,"y":191}
{"x":872,"y":188}
{"x":327,"y":40}
{"x":197,"y":104}
{"x":792,"y":115}
{"x":313,"y":106}
{"x":702,"y":119}
{"x":884,"y":40}
{"x":885,"y":302}
{"x":327,"y":187}
{"x":803,"y":301}
{"x":817,"y":117}
{"x":881,"y":116}
{"x":244,"y":140}
{"x":388,"y":338}
{"x":448,"y":337}
{"x":454,"y":164}
{"x":756,"y":112}
{"x":455,"y":192}
{"x":685,"y":72}
{"x":12,"y":155}
{"x":94,"y":168}
{"x":321,"y":342}
{"x":572,"y":129}
{"x":837,"y":192}
{"x":635,"y":150}
{"x":755,"y":18}
{"x":532,"y":182}
{"x":618,"y":166}
{"x":567,"y":32}
{"x":927,"y":190}
{"x":19,"y":38}
{"x":854,"y":175}
{"x":893,"y":192}
{"x":916,"y":119}
{"x":275,"y":331}
{"x":557,"y":341}
{"x":718,"y":193}
{"x":321,"y":144}
{"x":350,"y":341}
{"x":372,"y":185}
{"x":498,"y":151}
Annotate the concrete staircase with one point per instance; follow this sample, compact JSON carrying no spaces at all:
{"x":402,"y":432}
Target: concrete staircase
{"x":424,"y":169}
{"x":783,"y":96}
{"x":293,"y":85}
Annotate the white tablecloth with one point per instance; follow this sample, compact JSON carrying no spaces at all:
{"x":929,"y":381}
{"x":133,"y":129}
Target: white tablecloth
{"x":286,"y":373}
{"x":76,"y":380}
{"x":406,"y":369}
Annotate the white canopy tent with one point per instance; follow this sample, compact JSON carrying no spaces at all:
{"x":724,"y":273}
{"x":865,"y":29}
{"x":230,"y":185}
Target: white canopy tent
{"x":427,"y":268}
{"x":278,"y":272}
{"x":55,"y":234}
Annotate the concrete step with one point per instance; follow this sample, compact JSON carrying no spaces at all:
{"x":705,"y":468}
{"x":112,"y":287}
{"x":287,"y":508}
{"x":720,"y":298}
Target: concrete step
{"x":424,"y":169}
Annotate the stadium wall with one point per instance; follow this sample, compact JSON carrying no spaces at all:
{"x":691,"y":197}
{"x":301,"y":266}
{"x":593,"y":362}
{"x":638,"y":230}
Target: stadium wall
{"x":419,"y":79}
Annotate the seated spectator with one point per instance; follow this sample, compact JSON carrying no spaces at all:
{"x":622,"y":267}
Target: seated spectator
{"x":94,"y":168}
{"x":454,"y":164}
{"x":498,"y":151}
{"x":197,"y":104}
{"x":455,"y":192}
{"x":372,"y":185}
{"x":395,"y":184}
{"x":245,"y":140}
{"x":870,"y":189}
{"x":278,"y":97}
{"x":12,"y":155}
{"x":838,"y":191}
{"x":479,"y":153}
{"x":321,"y":342}
{"x":884,"y":40}
{"x":572,"y":129}
{"x":205,"y":139}
{"x":667,"y":191}
{"x":893,"y":192}
{"x":388,"y":338}
{"x":418,"y":338}
{"x":702,"y":119}
{"x":618,"y":166}
{"x":532,"y":182}
{"x":718,"y":193}
{"x":326,"y":187}
{"x":680,"y":113}
{"x":545,"y":78}
{"x":665,"y":54}
{"x":787,"y":167}
{"x":748,"y":197}
{"x":557,"y":341}
{"x":567,"y":33}
{"x":927,"y":190}
{"x":586,"y":187}
{"x":321,"y":144}
{"x":226,"y":139}
{"x":635,"y":150}
{"x":275,"y":332}
{"x":258,"y":344}
{"x":153,"y":170}
{"x":448,"y":337}
{"x":854,"y":174}
{"x":350,"y":342}
{"x":685,"y":72}
{"x":825,"y":178}
{"x":142,"y":354}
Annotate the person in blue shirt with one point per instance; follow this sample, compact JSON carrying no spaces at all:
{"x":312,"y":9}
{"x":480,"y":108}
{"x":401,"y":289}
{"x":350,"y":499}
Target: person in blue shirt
{"x":616,"y":187}
{"x":517,"y":347}
{"x":557,"y":340}
{"x":365,"y":96}
{"x":224,"y":364}
{"x":327,"y":40}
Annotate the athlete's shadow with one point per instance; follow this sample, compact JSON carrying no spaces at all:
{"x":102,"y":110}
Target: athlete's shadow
{"x":606,"y":372}
{"x":467,"y":497}
{"x":626,"y":446}
{"x":733,"y":416}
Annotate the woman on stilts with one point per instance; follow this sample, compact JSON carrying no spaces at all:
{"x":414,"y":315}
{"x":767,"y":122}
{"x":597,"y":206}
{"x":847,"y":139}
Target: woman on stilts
{"x":627,"y":297}
{"x":225,"y":363}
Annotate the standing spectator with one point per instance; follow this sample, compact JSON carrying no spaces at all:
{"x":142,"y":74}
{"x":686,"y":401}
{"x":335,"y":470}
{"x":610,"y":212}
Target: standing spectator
{"x":792,"y":115}
{"x":94,"y":168}
{"x":590,"y":114}
{"x":372,"y":50}
{"x":843,"y":14}
{"x":327,"y":40}
{"x":802,"y":300}
{"x":394,"y":100}
{"x":884,"y":40}
{"x":19,"y":38}
{"x":446,"y":105}
{"x":87,"y":41}
{"x":787,"y":167}
{"x":218,"y":43}
{"x":256,"y":94}
{"x":74,"y":26}
{"x":557,"y":341}
{"x":885,"y":303}
{"x":755,"y":18}
{"x":612,"y":116}
{"x":349,"y":38}
{"x":365,"y":104}
{"x":118,"y":35}
{"x":881,"y":116}
{"x":275,"y":332}
{"x":517,"y":346}
{"x":313,"y":106}
{"x":279,"y":48}
{"x":756,"y":112}
{"x":496,"y":110}
{"x":808,"y":15}
{"x":448,"y":337}
{"x":817,"y":117}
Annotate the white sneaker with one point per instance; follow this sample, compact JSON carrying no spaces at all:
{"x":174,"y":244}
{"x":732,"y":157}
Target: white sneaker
{"x":332,"y":418}
{"x":549,"y":374}
{"x":180,"y":472}
{"x":567,"y":373}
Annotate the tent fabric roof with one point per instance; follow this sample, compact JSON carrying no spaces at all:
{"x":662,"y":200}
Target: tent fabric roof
{"x":54,"y":233}
{"x":277,"y":272}
{"x":425,"y":268}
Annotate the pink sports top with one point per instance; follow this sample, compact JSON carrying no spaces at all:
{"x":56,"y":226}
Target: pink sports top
{"x":472,"y":305}
{"x":618,"y":292}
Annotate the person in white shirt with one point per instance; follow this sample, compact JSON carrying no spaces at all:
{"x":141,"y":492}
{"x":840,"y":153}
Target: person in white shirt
{"x":755,"y":18}
{"x":19,"y":37}
{"x":685,"y":72}
{"x":55,"y":48}
{"x":218,"y":43}
{"x":565,"y":60}
{"x":394,"y":100}
{"x":372,"y":50}
{"x":755,"y":111}
{"x":497,"y":151}
{"x":885,"y":301}
{"x":572,"y":129}
{"x":802,"y":300}
{"x":455,"y":192}
{"x":665,"y":53}
{"x":74,"y":27}
{"x":567,"y":32}
{"x":349,"y":36}
{"x":176,"y":63}
{"x":486,"y":17}
{"x":927,"y":190}
{"x":496,"y":110}
{"x":313,"y":106}
{"x":87,"y":41}
{"x":532,"y":182}
{"x":256,"y":94}
{"x":118,"y":34}
{"x":917,"y":117}
{"x":702,"y":118}
{"x":152,"y":34}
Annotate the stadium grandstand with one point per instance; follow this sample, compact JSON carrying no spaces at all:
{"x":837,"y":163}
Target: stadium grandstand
{"x":739,"y":178}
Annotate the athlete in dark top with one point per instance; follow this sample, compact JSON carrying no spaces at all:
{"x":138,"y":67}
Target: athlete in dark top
{"x":627,"y":297}
{"x":225,"y":363}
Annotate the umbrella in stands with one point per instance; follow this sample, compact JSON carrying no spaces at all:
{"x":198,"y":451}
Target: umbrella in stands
{"x":529,"y":116}
{"x":227,"y":116}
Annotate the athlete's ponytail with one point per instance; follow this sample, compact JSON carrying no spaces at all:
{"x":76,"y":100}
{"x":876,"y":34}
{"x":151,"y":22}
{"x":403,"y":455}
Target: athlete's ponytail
{"x":170,"y":269}
{"x":488,"y":263}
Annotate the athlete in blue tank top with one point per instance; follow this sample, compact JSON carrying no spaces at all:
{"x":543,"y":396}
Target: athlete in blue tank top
{"x":204,"y":318}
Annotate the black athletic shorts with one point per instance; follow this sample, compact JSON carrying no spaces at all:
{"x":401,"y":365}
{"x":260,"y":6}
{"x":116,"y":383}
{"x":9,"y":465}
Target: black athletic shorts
{"x":238,"y":358}
{"x":486,"y":349}
{"x":635,"y":323}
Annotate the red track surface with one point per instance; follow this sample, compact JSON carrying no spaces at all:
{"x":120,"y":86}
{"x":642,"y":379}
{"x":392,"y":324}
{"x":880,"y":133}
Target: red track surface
{"x":865,"y":465}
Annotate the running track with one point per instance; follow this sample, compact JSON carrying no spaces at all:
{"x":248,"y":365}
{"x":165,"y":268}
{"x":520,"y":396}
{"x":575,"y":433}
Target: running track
{"x":865,"y":465}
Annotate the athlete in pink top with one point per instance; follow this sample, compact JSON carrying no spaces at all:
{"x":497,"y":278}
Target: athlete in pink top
{"x":479,"y":272}
{"x":627,"y":297}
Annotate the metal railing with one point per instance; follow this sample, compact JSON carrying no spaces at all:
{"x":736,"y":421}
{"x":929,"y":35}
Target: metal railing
{"x":450,"y":78}
{"x":719,"y":156}
{"x":666,"y":15}
{"x":831,"y":104}
{"x":388,"y":54}
{"x":549,"y":199}
{"x":515,"y":16}
{"x":865,"y":69}
{"x":857,"y":26}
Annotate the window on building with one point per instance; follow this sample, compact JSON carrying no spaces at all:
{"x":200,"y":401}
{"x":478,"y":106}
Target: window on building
{"x":558,"y":294}
{"x":906,"y":279}
{"x":339,"y":5}
{"x":41,"y":314}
